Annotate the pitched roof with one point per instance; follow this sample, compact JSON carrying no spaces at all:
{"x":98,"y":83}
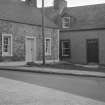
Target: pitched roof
{"x":50,"y":12}
{"x":14,"y":10}
{"x":82,"y":17}
{"x":87,"y":17}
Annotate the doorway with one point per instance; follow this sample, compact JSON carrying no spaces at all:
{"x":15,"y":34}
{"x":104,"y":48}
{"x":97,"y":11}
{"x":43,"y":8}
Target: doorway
{"x":30,"y":49}
{"x":92,"y":51}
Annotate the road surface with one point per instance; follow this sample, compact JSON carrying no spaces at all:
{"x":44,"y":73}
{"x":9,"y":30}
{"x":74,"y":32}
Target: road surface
{"x":84,"y":86}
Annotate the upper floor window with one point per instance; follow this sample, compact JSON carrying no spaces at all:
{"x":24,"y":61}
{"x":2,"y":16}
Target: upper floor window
{"x":66,"y":22}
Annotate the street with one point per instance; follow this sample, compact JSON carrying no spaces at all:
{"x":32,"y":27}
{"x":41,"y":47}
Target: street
{"x":91,"y":87}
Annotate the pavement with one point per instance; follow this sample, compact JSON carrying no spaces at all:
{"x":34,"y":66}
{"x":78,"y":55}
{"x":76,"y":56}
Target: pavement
{"x":13,"y":92}
{"x":21,"y":66}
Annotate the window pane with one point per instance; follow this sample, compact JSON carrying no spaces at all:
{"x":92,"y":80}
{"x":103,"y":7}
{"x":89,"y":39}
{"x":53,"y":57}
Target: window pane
{"x":66,"y":52}
{"x":5,"y":48}
{"x":65,"y":48}
{"x":6,"y":45}
{"x":66,"y":44}
{"x":66,"y":22}
{"x":66,"y":19}
{"x":5,"y":40}
{"x":47,"y":47}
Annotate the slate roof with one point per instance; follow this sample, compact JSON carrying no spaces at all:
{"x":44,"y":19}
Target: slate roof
{"x":14,"y":10}
{"x":87,"y":17}
{"x":50,"y":12}
{"x":82,"y":17}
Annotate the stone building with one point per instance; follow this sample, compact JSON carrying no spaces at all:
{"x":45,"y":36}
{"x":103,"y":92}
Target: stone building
{"x":83,"y":30}
{"x":21,"y":33}
{"x":82,"y":33}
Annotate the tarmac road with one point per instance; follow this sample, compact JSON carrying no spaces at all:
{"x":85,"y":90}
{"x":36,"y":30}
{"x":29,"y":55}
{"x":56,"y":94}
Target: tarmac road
{"x":84,"y":86}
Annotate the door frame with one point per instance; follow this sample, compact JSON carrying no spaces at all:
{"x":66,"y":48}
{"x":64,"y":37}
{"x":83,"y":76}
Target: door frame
{"x":34,"y":56}
{"x":97,"y":40}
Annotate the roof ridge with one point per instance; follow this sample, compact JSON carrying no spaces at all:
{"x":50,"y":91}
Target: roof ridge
{"x":91,"y":5}
{"x":23,"y":14}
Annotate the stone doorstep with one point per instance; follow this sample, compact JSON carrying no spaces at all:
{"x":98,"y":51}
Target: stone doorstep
{"x":14,"y":92}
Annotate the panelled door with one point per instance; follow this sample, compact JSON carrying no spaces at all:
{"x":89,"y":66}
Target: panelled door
{"x":92,"y":51}
{"x":30,"y":49}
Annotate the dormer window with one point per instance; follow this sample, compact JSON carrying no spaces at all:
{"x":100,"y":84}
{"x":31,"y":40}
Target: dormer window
{"x":66,"y":22}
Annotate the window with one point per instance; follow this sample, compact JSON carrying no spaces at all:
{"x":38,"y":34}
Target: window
{"x":6,"y":45}
{"x":66,"y":22}
{"x":65,"y":46}
{"x":48,"y":46}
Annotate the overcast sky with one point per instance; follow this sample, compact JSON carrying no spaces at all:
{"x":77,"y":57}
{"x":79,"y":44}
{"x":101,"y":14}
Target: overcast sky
{"x":72,"y":3}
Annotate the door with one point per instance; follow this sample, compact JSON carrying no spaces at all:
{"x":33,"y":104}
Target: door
{"x":92,"y":51}
{"x":30,"y":49}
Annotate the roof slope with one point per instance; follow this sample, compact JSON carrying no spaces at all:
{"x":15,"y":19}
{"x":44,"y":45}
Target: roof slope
{"x":87,"y":17}
{"x":82,"y":17}
{"x":14,"y":10}
{"x":50,"y":12}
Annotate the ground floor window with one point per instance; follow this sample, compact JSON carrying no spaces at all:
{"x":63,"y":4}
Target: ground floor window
{"x":65,"y":48}
{"x":6,"y":44}
{"x":47,"y":46}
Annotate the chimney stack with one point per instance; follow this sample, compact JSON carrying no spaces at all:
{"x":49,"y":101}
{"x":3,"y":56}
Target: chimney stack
{"x":60,"y":5}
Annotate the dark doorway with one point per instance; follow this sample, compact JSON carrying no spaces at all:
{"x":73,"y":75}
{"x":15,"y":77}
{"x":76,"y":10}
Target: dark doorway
{"x":92,"y":51}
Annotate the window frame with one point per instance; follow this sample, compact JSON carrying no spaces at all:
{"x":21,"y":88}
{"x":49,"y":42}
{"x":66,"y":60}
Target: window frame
{"x":6,"y":53}
{"x":62,"y":54}
{"x":47,"y":53}
{"x":64,"y":22}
